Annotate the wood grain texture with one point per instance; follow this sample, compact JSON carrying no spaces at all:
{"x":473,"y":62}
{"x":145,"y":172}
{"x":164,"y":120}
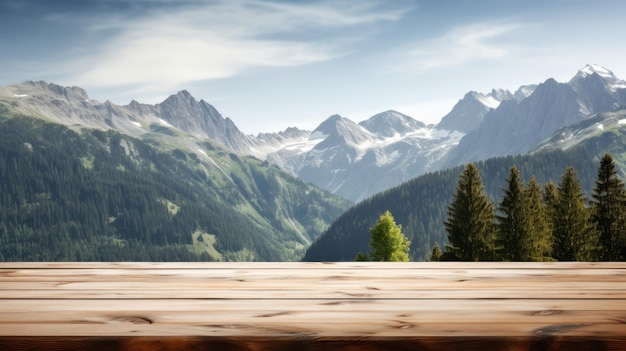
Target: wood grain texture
{"x":313,"y":306}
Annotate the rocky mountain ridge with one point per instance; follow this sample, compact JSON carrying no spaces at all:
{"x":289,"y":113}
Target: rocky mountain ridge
{"x":518,"y":126}
{"x":357,"y":163}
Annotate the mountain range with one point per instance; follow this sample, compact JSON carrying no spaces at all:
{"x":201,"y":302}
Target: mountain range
{"x":353,"y":160}
{"x":358,"y":160}
{"x":349,"y":159}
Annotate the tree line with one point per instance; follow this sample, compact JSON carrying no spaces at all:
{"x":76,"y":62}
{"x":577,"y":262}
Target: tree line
{"x":420,"y":204}
{"x":555,"y":222}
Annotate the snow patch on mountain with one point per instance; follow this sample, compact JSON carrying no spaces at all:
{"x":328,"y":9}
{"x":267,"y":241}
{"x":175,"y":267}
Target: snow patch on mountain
{"x":317,"y":135}
{"x":594,"y":68}
{"x":164,"y":122}
{"x":386,"y":159}
{"x":301,"y":147}
{"x":488,"y":100}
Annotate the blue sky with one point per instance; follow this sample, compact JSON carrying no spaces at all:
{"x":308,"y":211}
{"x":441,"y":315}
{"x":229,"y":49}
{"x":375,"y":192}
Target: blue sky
{"x":269,"y":65}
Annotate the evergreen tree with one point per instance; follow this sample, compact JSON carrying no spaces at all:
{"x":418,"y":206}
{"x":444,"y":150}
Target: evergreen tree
{"x":539,"y":228}
{"x":361,"y":257}
{"x":388,"y":243}
{"x":470,"y":220}
{"x":609,"y":210}
{"x":435,"y":254}
{"x":512,"y":221}
{"x":575,"y":236}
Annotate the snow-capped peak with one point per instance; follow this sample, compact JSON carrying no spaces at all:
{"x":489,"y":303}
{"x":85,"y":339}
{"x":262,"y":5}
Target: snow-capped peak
{"x":389,"y":123}
{"x":612,"y":82}
{"x":592,"y":68}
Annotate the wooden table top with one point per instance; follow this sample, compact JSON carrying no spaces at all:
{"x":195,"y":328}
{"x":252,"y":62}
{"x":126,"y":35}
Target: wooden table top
{"x":313,"y":306}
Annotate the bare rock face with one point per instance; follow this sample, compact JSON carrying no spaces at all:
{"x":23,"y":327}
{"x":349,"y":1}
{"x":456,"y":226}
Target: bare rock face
{"x":202,"y":120}
{"x":72,"y":106}
{"x":469,"y":112}
{"x":516,"y":127}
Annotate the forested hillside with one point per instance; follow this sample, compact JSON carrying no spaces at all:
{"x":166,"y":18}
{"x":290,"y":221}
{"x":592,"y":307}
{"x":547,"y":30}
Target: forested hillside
{"x":85,"y":195}
{"x":420,"y":205}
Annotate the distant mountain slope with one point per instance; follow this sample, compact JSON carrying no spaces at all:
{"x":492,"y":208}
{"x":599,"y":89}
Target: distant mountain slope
{"x":469,"y":112}
{"x":603,"y":132}
{"x":358,"y":160}
{"x":420,"y":205}
{"x":72,"y":106}
{"x":516,"y":127}
{"x":391,"y":148}
{"x":89,"y":194}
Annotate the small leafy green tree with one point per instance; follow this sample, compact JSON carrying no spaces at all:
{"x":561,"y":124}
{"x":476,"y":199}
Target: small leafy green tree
{"x":387,"y":241}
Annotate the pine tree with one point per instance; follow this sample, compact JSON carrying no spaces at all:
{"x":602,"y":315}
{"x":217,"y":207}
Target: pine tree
{"x":609,"y":210}
{"x":539,"y":228}
{"x":512,"y":223}
{"x":387,"y":241}
{"x":575,"y":236}
{"x":470,"y":220}
{"x":435,"y":254}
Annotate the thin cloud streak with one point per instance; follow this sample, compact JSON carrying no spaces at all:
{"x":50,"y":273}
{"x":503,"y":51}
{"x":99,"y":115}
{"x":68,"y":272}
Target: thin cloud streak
{"x":461,"y":45}
{"x":220,"y":40}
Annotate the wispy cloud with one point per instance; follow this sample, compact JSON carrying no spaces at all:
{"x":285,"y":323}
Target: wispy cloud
{"x":221,"y":39}
{"x":461,"y":45}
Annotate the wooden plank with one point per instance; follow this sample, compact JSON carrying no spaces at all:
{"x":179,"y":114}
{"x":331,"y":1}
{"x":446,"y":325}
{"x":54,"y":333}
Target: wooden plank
{"x":402,"y":284}
{"x":183,"y":292}
{"x":313,"y":306}
{"x":320,"y":272}
{"x":318,"y":324}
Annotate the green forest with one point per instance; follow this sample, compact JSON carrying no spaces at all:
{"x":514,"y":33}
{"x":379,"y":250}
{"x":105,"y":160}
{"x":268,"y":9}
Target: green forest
{"x":91,"y":195}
